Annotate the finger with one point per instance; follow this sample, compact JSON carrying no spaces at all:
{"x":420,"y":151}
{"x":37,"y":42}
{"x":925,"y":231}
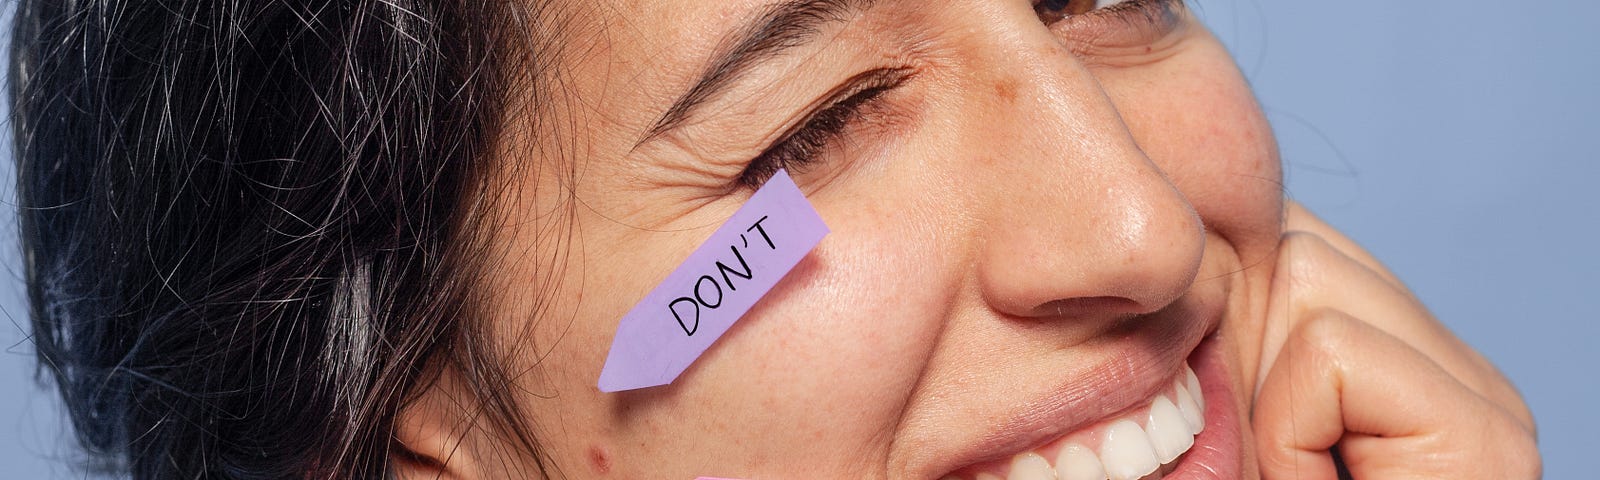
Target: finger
{"x":1394,"y":412}
{"x":1354,"y":281}
{"x":1314,"y":276}
{"x":1299,"y":219}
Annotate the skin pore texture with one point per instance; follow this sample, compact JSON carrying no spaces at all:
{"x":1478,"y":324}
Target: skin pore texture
{"x":1034,"y":226}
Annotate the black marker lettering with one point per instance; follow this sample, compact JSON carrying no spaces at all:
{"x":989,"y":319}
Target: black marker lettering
{"x":703,"y":279}
{"x":725,"y":270}
{"x":699,"y":298}
{"x":757,"y":227}
{"x":687,"y":330}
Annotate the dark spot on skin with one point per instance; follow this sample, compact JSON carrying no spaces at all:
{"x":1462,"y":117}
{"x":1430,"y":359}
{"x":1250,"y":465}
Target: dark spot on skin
{"x":599,"y":460}
{"x":1006,"y":89}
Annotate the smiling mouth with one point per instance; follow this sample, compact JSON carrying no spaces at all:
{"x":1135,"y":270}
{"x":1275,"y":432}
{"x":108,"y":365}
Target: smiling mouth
{"x":1146,"y":442}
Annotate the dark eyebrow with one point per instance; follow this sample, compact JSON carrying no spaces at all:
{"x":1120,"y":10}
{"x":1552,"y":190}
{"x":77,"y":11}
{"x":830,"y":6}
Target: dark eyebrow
{"x":782,"y":27}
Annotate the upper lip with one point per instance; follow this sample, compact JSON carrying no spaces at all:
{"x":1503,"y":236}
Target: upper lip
{"x":1125,"y":376}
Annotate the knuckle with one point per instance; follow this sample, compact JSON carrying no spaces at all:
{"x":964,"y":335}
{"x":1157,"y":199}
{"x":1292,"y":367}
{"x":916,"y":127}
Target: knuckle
{"x":1528,"y":466}
{"x":1519,"y":451}
{"x":1325,"y":331}
{"x":1497,"y":445}
{"x":1304,"y":255}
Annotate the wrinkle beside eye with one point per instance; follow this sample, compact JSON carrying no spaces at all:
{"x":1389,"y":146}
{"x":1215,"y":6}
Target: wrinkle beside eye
{"x":688,"y":158}
{"x":716,"y":150}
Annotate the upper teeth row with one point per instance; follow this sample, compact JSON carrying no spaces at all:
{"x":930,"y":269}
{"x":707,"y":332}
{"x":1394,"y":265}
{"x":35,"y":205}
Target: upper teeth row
{"x":1127,"y":451}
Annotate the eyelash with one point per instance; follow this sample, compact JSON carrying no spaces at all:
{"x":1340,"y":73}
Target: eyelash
{"x":801,"y":146}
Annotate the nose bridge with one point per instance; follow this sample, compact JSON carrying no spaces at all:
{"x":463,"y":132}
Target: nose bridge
{"x":1077,"y":216}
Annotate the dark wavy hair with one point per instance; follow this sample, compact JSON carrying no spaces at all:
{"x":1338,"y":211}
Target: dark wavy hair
{"x":247,"y":225}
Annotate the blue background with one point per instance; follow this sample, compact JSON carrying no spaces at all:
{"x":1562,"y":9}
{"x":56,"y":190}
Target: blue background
{"x":1454,"y":139}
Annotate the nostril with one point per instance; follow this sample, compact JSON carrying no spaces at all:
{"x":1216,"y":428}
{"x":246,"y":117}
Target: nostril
{"x":1101,"y":306}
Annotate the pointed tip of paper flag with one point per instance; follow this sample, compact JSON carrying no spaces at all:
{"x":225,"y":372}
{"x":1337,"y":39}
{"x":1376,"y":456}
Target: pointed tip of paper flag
{"x":620,"y":379}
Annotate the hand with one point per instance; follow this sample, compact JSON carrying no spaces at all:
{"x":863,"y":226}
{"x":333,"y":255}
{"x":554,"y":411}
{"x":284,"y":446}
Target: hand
{"x":1352,"y":359}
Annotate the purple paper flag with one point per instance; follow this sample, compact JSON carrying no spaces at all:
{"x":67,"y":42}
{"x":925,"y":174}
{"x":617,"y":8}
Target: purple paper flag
{"x":721,"y":280}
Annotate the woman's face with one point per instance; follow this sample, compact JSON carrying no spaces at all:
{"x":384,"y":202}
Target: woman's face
{"x":1040,"y":214}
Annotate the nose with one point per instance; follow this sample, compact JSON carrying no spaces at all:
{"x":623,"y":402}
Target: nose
{"x":1077,"y":221}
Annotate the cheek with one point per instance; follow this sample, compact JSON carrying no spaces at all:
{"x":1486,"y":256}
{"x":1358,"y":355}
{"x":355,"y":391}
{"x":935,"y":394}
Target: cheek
{"x":820,"y":369}
{"x":812,"y":378}
{"x":1196,"y":118}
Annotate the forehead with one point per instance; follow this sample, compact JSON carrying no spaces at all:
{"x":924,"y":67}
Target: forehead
{"x":676,"y":36}
{"x":643,"y":54}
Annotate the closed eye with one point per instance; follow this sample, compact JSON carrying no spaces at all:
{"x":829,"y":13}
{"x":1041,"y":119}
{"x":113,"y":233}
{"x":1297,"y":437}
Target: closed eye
{"x":803,"y":145}
{"x":1051,"y":11}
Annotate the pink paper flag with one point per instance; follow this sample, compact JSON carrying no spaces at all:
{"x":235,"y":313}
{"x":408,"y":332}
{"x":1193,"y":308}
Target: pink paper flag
{"x":721,"y":280}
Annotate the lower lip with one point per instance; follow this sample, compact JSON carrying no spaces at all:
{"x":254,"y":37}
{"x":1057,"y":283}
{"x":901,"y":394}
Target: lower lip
{"x":1215,"y":454}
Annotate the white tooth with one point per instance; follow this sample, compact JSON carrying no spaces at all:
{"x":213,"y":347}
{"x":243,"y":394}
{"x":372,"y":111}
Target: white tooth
{"x":1126,"y":452}
{"x":988,"y":476}
{"x":1194,"y":387}
{"x":1190,"y":411}
{"x":1169,"y":432}
{"x":1077,"y":462}
{"x":1031,"y":466}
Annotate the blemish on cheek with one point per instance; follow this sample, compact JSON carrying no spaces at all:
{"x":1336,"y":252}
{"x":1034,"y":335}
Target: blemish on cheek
{"x":1006,"y":89}
{"x":599,"y":460}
